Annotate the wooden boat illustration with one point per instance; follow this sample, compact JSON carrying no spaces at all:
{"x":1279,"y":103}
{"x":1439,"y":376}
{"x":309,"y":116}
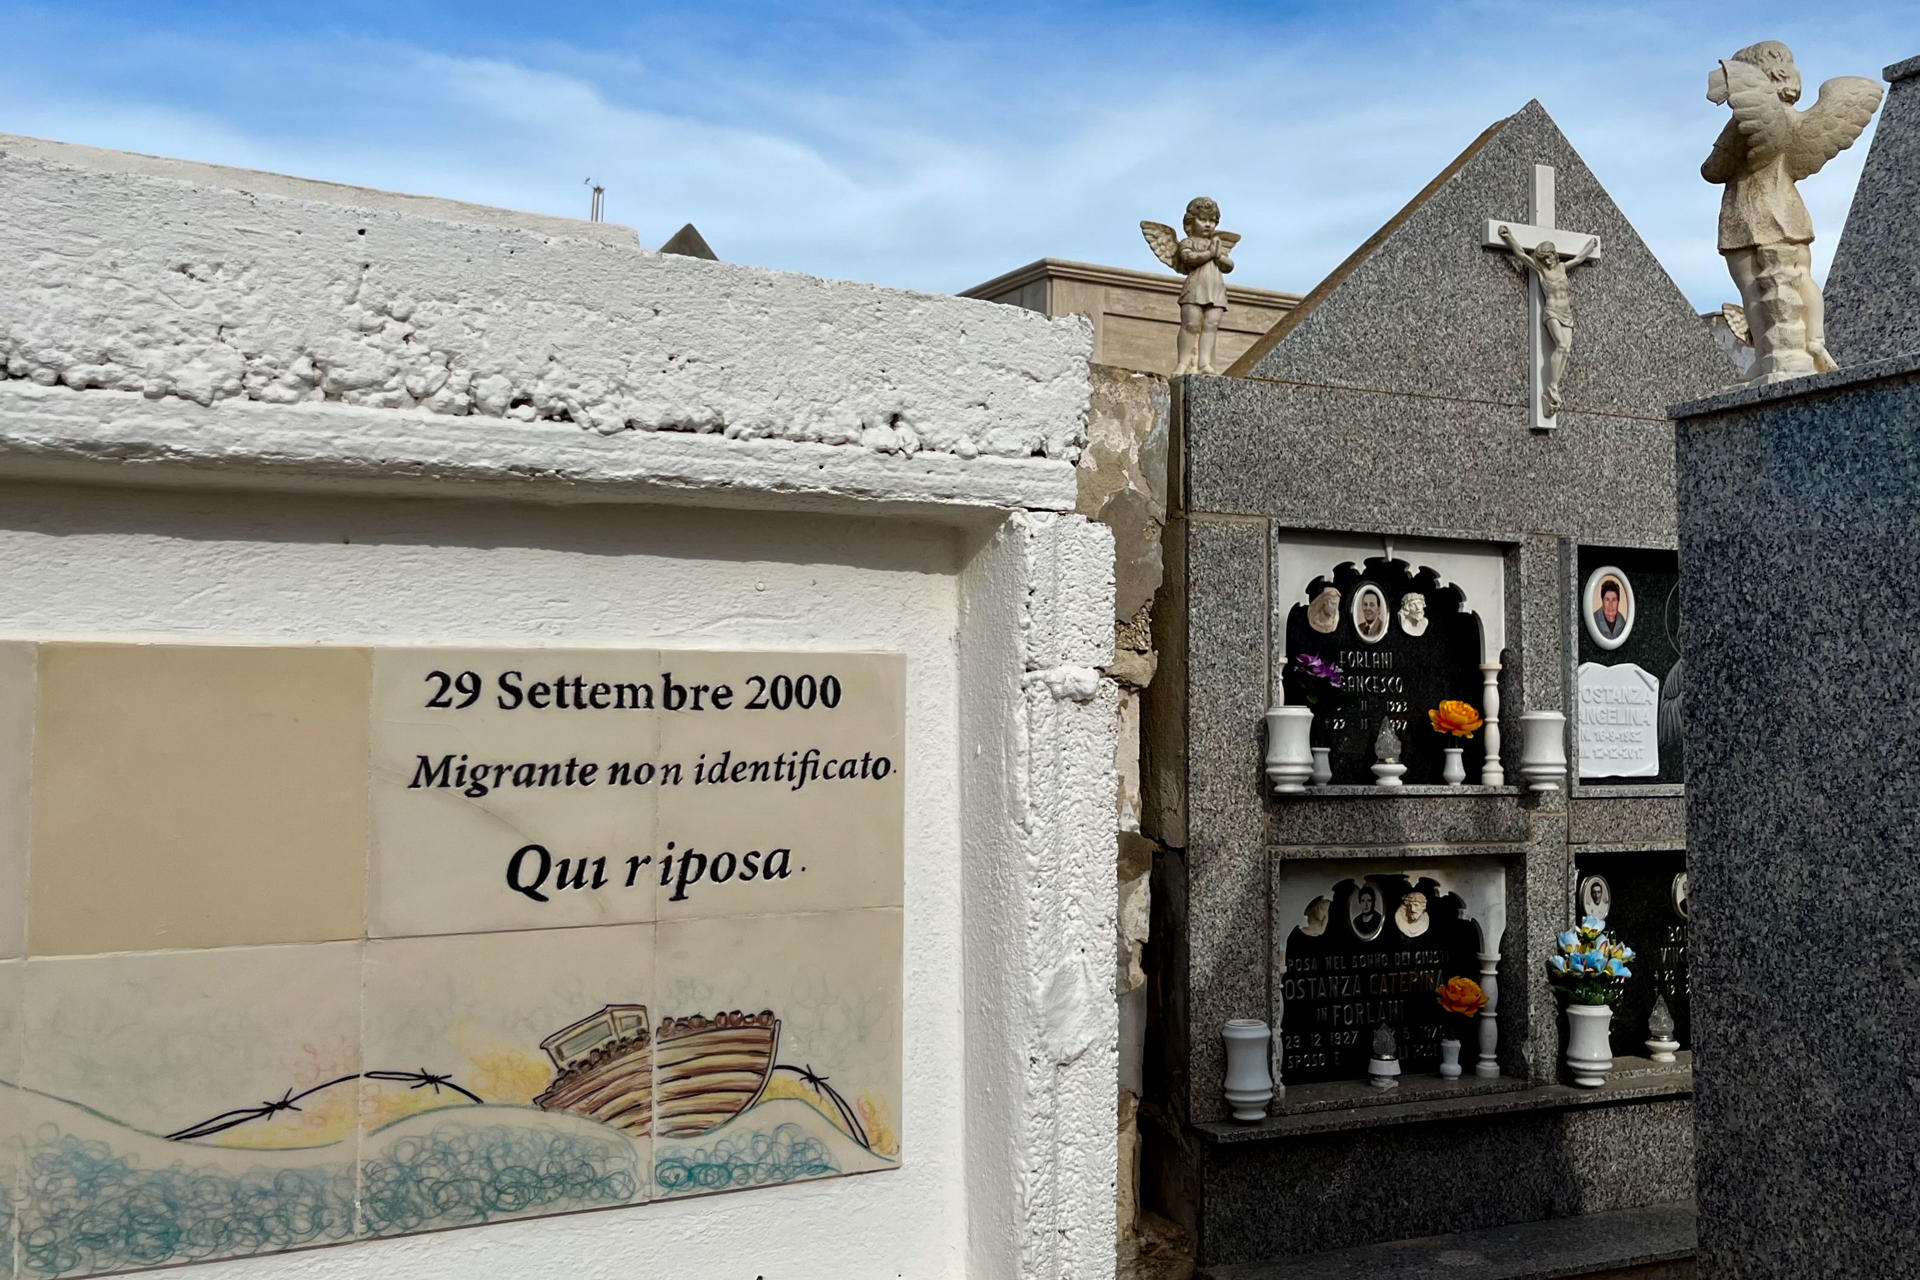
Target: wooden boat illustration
{"x":693,"y":1075}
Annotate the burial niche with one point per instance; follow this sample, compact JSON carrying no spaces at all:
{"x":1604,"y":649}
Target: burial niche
{"x":1403,"y":641}
{"x":1642,"y":896}
{"x":1368,"y":953}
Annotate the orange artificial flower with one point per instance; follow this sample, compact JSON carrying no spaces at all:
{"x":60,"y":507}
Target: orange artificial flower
{"x":1462,"y":996}
{"x":1456,"y":718}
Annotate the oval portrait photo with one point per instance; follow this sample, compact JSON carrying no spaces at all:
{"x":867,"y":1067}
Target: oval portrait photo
{"x":1370,"y":613}
{"x":1363,"y":912}
{"x":1606,"y":607}
{"x":1596,"y":899}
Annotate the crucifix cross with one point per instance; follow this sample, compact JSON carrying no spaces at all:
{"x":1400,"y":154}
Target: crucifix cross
{"x":1549,"y":304}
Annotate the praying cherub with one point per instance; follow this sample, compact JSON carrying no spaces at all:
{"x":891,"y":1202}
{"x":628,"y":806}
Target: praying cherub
{"x":1556,"y":313}
{"x":1203,"y":257}
{"x":1766,"y":234}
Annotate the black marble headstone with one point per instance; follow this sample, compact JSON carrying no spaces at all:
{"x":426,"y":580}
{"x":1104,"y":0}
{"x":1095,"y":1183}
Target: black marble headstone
{"x":1653,"y":644}
{"x":1363,"y":972}
{"x":1394,"y":679}
{"x":1642,"y":913}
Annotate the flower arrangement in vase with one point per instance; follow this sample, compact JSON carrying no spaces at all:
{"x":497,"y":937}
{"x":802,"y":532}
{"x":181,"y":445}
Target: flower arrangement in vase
{"x":1589,"y":970}
{"x":1462,"y":999}
{"x":1460,"y":720}
{"x":1320,"y":681}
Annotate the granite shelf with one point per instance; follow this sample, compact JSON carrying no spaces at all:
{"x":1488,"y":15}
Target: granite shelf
{"x":1342,"y":1105}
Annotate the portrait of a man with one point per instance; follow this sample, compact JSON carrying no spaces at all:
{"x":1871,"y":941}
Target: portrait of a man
{"x":1413,"y":613}
{"x":1370,"y":613}
{"x":1364,"y":913}
{"x":1596,"y":897}
{"x":1323,"y":613}
{"x":1608,"y":607}
{"x":1680,"y":895}
{"x":1412,"y":919}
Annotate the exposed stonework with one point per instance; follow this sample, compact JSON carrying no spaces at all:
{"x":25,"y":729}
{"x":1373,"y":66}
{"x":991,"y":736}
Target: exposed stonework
{"x":121,"y":277}
{"x":1123,"y":484}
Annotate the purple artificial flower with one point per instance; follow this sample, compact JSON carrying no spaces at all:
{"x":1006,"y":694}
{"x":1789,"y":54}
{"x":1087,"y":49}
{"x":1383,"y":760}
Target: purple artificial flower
{"x":1321,"y":669}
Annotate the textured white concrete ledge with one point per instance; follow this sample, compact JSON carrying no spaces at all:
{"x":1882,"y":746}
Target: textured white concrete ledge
{"x":258,"y":182}
{"x":95,"y":437}
{"x":147,"y":277}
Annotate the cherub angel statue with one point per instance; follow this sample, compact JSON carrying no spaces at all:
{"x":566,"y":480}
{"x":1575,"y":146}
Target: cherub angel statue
{"x":1765,"y":232}
{"x":1204,"y":256}
{"x":1556,"y":311}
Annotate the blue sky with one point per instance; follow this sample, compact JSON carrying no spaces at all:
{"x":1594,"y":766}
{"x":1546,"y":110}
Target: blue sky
{"x":935,"y":147}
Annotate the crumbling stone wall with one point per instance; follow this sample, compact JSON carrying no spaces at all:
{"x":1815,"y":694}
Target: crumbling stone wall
{"x":1123,"y":484}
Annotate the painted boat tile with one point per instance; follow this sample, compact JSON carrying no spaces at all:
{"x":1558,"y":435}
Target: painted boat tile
{"x":495,"y":1140}
{"x":829,"y":1102}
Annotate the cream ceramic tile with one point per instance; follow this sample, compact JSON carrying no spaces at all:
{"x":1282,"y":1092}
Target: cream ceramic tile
{"x":124,"y":1050}
{"x":843,"y":835}
{"x":197,"y":795}
{"x":16,"y":774}
{"x":477,"y":1009}
{"x":442,"y":856}
{"x":748,"y":1006}
{"x":11,"y":1116}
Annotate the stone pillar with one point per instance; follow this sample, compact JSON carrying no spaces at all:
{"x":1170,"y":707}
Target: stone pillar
{"x":1799,"y":526}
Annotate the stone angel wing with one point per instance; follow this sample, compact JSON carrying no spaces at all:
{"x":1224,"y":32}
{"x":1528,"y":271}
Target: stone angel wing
{"x":1832,"y":124}
{"x":1163,"y":240}
{"x":1808,"y":139}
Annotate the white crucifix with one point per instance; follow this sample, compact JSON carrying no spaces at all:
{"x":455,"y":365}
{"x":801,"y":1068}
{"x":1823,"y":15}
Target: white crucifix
{"x":1548,"y":253}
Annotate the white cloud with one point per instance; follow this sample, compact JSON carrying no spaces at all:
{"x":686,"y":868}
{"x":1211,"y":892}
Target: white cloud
{"x":923,"y":152}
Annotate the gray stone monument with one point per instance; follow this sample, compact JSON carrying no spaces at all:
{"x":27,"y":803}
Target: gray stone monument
{"x":1799,"y":518}
{"x":1383,"y":442}
{"x":1873,"y":290}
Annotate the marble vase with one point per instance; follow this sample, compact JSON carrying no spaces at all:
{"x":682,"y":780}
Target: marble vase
{"x":1322,"y":766}
{"x":1543,"y":749}
{"x":1589,"y":1052}
{"x":1450,"y":1059}
{"x":1249,"y":1083}
{"x":1289,"y":755}
{"x":1454,"y":772}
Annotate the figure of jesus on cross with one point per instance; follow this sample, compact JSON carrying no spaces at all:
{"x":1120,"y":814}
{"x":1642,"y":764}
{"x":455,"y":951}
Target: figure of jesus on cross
{"x":1550,"y":301}
{"x":1550,"y":267}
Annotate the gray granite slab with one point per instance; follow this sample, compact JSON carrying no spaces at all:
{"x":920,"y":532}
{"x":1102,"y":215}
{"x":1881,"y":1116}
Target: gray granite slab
{"x":1423,"y":310}
{"x":1227,"y":883}
{"x":1331,"y":458}
{"x":1425,"y":818}
{"x":1873,"y":288}
{"x":1799,"y":519}
{"x":1650,"y":821}
{"x":1592,"y":1245}
{"x":1314,"y":1192}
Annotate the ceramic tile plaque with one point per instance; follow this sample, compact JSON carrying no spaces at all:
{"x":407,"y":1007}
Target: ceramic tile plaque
{"x":324,"y":943}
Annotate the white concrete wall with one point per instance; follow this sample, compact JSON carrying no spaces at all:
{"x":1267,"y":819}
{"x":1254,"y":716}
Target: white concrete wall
{"x":221,"y":407}
{"x":127,"y":279}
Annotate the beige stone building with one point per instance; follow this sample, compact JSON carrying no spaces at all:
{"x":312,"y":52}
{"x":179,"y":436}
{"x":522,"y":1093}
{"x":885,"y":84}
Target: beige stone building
{"x":1135,"y":314}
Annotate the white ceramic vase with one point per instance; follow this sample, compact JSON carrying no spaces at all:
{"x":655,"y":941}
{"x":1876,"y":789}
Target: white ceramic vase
{"x":1322,"y":766}
{"x":1589,"y":1052}
{"x":1543,"y":749}
{"x":1454,"y":772}
{"x":1450,"y":1059}
{"x":1289,"y":755}
{"x":1249,"y":1086}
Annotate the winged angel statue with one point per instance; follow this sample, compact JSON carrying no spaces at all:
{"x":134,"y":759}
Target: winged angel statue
{"x":1765,"y":232}
{"x":1203,"y":257}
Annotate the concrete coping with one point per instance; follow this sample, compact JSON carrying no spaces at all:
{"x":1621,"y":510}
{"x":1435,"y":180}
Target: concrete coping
{"x":1793,"y":388}
{"x":1902,"y":70}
